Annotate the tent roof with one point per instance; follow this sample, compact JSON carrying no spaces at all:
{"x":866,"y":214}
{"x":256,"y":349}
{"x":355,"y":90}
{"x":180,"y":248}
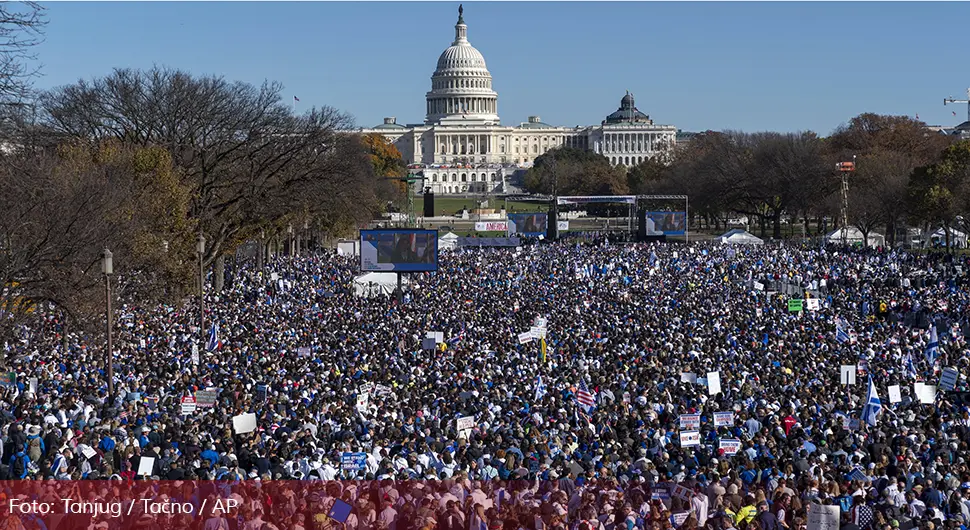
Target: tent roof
{"x":449,"y":236}
{"x":383,"y":278}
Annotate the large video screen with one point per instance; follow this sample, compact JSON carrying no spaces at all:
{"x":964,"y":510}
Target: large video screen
{"x":528,"y":224}
{"x":666,"y":223}
{"x":398,"y":250}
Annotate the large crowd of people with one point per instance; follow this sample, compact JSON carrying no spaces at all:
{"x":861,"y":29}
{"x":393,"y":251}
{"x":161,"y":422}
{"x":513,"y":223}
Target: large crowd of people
{"x":588,"y":386}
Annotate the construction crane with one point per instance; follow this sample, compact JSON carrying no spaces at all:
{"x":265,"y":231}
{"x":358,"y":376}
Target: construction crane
{"x":950,"y":99}
{"x":409,"y":181}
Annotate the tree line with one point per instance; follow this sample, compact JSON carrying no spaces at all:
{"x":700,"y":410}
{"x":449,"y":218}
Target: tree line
{"x":143,"y":162}
{"x":906,"y":175}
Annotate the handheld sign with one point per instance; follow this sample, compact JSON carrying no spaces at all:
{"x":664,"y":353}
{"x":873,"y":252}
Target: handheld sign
{"x":847,"y":376}
{"x":795,"y":305}
{"x":188,"y":405}
{"x":353,"y":461}
{"x":948,"y":379}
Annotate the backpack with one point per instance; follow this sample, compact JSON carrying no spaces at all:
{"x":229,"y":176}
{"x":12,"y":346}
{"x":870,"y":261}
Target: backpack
{"x":19,"y":466}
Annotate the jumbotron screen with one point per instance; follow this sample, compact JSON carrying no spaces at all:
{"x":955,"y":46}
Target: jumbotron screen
{"x":398,"y":250}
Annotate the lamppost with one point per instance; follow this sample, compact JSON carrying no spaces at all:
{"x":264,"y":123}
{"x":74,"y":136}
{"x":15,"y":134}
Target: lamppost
{"x":200,"y":248}
{"x":107,"y":268}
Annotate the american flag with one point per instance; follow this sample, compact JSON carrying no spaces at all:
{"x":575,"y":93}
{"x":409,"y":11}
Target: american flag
{"x":296,"y":98}
{"x":584,"y":397}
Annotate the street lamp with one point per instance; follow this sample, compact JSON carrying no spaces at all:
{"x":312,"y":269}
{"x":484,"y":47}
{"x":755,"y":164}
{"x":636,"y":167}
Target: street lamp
{"x":200,"y":248}
{"x":107,"y":268}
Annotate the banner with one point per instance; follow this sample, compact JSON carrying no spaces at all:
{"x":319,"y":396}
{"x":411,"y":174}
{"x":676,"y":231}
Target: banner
{"x":597,"y":199}
{"x":491,"y":226}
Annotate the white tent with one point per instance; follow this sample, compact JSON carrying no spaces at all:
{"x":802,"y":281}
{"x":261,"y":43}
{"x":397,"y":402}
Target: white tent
{"x":854,"y":237}
{"x":377,"y":283}
{"x":448,"y":241}
{"x":740,"y":237}
{"x":958,"y":239}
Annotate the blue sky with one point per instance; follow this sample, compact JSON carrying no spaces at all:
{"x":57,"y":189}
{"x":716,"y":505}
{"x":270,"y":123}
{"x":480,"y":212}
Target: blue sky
{"x":723,"y":65}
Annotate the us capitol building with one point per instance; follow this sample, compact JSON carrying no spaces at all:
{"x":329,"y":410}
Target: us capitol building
{"x":462,"y":147}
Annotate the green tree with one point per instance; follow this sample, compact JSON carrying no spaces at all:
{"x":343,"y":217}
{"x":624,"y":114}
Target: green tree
{"x":569,"y":171}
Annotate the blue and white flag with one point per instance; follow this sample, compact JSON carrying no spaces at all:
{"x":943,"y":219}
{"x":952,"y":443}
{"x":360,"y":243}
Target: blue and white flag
{"x":933,"y":347}
{"x":910,"y":367}
{"x":873,"y":406}
{"x":540,"y":389}
{"x":213,"y":342}
{"x":841,"y":335}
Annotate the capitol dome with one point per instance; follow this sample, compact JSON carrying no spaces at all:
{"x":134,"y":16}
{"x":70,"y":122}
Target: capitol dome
{"x":461,"y":86}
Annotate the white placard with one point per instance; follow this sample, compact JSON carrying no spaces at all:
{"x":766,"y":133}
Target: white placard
{"x":690,"y":439}
{"x":525,"y":337}
{"x":465,"y":424}
{"x":145,"y":466}
{"x":730,"y":446}
{"x":847,"y":374}
{"x":89,"y":452}
{"x":438,"y":336}
{"x":363,"y":400}
{"x":813,"y":304}
{"x":723,"y":419}
{"x":713,"y":383}
{"x":925,"y":393}
{"x":895,"y":396}
{"x":33,"y":385}
{"x":244,"y":423}
{"x":823,"y":517}
{"x":688,"y":377}
{"x":537,"y":332}
{"x":195,"y":354}
{"x":690,"y":422}
{"x":758,"y":286}
{"x":189,"y":405}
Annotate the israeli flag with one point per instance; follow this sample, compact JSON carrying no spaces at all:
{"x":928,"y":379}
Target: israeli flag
{"x":933,"y":347}
{"x":213,"y":342}
{"x":873,"y":406}
{"x":540,"y":389}
{"x":841,"y":335}
{"x":910,"y":367}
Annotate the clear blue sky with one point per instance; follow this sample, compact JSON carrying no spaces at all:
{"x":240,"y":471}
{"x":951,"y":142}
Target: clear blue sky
{"x":724,"y":65}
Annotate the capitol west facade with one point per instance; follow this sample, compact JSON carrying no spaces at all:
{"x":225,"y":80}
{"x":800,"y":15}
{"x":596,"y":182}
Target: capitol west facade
{"x":463,"y":148}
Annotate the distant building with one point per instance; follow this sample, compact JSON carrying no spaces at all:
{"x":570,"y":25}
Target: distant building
{"x":463,"y":148}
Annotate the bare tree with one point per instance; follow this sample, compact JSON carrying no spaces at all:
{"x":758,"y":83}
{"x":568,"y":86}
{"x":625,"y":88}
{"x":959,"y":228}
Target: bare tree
{"x":21,"y":30}
{"x":247,"y":160}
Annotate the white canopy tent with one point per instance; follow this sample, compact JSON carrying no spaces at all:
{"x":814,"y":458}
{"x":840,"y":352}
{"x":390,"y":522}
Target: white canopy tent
{"x":740,"y":237}
{"x":854,"y":237}
{"x":377,"y":284}
{"x":958,"y":239}
{"x":448,"y":241}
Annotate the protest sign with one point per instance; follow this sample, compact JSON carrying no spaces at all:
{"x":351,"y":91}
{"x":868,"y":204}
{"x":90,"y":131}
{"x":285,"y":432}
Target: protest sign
{"x":353,"y":461}
{"x":894,"y":394}
{"x":690,"y":439}
{"x":730,"y":446}
{"x":713,"y":383}
{"x":189,"y":405}
{"x":823,"y":517}
{"x":723,"y":419}
{"x":691,"y":422}
{"x":244,"y":423}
